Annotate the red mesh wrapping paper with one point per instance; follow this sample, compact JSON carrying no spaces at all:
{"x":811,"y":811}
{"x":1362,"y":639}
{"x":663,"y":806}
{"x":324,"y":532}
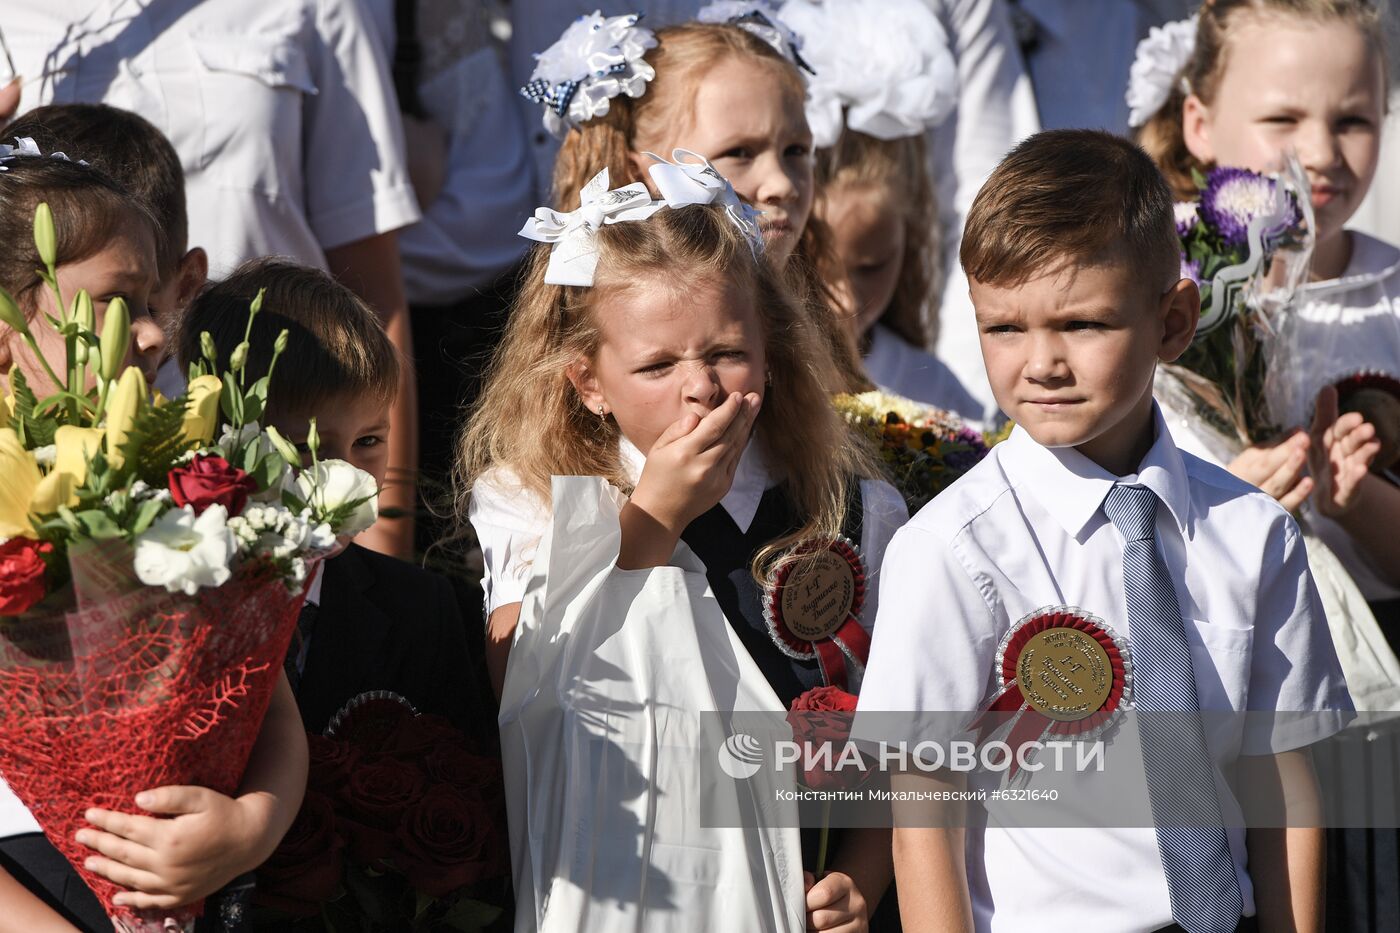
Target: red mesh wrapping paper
{"x":136,"y":688}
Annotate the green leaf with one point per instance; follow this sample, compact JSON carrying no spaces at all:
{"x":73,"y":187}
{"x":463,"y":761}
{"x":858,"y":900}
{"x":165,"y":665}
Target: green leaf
{"x":35,"y":428}
{"x":252,"y":408}
{"x":268,"y":470}
{"x":259,"y":389}
{"x":155,"y":441}
{"x":146,"y":514}
{"x":231,"y":400}
{"x":1197,"y":178}
{"x":293,"y":501}
{"x":471,"y":916}
{"x":95,"y":523}
{"x":250,"y":457}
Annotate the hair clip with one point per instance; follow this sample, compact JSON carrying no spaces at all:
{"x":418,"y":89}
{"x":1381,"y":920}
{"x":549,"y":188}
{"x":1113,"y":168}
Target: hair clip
{"x":1157,"y":68}
{"x":595,"y":60}
{"x":26,"y":148}
{"x":883,"y":67}
{"x":574,"y":257}
{"x":761,"y":18}
{"x":691,"y":179}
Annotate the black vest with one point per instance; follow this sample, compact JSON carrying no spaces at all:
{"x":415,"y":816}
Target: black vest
{"x":728,"y":554}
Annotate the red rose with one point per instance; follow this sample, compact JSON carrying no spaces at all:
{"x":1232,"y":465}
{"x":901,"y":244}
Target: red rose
{"x":331,"y":763}
{"x":305,"y":870}
{"x":207,"y":481}
{"x":821,"y":719}
{"x":474,"y":775}
{"x":417,"y":736}
{"x":447,"y":841}
{"x":376,"y":797}
{"x":22,"y":569}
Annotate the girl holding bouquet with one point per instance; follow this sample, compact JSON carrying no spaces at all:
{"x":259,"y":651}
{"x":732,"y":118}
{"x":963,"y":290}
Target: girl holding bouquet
{"x":105,"y":244}
{"x":1250,"y":81}
{"x":653,"y":458}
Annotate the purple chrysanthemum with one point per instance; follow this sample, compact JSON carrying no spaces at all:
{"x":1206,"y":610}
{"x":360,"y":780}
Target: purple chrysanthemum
{"x":1190,"y":269}
{"x":1232,"y":198}
{"x":1185,"y":213}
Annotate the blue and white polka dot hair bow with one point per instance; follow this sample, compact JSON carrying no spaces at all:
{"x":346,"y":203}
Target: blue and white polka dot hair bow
{"x":596,"y":59}
{"x":761,"y":18}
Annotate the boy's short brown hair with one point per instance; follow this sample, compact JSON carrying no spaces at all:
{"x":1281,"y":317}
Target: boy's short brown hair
{"x":131,"y":151}
{"x":336,"y":346}
{"x":1072,"y":196}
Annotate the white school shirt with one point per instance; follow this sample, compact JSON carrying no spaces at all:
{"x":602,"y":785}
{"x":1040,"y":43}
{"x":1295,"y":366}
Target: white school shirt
{"x":1024,"y":529}
{"x":1342,"y":326}
{"x":897,"y":366}
{"x":282,"y":111}
{"x":467,"y":236}
{"x":509,"y":522}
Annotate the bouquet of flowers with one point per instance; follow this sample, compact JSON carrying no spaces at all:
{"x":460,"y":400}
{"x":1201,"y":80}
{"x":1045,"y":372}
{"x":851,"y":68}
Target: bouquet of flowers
{"x":150,"y":574}
{"x":923,"y":448}
{"x":401,"y":829}
{"x":1246,"y":242}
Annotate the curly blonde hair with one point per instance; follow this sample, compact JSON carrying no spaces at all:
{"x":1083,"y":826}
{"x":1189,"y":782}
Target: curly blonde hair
{"x":683,"y":56}
{"x":1163,"y":136}
{"x":898,"y":167}
{"x":553,"y":327}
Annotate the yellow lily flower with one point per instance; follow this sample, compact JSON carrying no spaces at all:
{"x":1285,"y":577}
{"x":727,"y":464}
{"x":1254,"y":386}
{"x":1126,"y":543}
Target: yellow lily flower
{"x":202,"y":415}
{"x":122,"y":409}
{"x":74,"y":446}
{"x":21,"y":477}
{"x":7,"y":409}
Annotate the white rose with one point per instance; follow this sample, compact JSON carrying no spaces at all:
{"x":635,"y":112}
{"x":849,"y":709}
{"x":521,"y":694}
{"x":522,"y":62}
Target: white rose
{"x":331,"y":484}
{"x":183,"y":552}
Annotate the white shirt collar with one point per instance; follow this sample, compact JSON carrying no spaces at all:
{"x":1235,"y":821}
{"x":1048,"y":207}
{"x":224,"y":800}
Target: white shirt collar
{"x":751,"y":480}
{"x":1071,"y":487}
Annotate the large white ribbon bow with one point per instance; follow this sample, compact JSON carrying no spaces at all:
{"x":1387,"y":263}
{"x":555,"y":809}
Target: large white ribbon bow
{"x":574,"y":258}
{"x":690,"y":179}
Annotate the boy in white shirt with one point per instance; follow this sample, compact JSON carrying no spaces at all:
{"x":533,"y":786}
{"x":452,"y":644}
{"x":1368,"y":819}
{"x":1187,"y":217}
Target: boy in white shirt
{"x":1200,"y":579}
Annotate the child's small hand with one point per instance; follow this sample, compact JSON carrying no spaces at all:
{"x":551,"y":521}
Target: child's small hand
{"x":835,"y":903}
{"x":691,"y":466}
{"x":167,"y":863}
{"x":1341,"y":454}
{"x":1278,"y":468}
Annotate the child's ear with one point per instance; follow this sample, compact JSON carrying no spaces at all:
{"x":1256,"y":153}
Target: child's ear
{"x":589,"y":392}
{"x":192,"y":273}
{"x":1195,"y":129}
{"x":1180,"y":309}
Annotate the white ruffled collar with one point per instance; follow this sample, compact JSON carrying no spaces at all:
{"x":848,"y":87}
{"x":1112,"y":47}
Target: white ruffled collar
{"x":751,"y":480}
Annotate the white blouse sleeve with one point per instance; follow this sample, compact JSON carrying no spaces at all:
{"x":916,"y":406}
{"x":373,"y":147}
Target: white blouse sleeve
{"x":509,"y":521}
{"x":883,"y":512}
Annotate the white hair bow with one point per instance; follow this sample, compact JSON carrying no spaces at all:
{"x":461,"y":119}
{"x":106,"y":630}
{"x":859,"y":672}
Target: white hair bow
{"x":1157,"y":68}
{"x":25,"y":147}
{"x":574,"y":257}
{"x":691,"y":179}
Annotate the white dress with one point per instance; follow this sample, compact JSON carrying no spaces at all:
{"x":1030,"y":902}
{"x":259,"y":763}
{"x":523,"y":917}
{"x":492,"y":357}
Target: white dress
{"x":608,"y":729}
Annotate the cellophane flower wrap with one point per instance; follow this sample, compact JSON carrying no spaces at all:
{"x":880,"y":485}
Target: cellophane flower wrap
{"x":1246,"y":242}
{"x":401,"y":829}
{"x":153,"y":557}
{"x":923,"y":448}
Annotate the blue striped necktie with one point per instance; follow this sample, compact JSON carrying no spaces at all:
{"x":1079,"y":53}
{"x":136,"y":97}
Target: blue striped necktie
{"x":1205,"y":894}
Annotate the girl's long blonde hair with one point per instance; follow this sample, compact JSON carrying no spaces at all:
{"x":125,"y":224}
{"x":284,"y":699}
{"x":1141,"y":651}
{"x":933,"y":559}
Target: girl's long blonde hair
{"x":898,"y":167}
{"x":1162,"y":135}
{"x":531,"y":420}
{"x":682,"y":57}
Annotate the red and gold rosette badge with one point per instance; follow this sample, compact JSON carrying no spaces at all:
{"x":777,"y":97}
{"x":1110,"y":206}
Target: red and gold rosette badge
{"x":1377,"y":397}
{"x":813,"y":610}
{"x":1063,"y":673}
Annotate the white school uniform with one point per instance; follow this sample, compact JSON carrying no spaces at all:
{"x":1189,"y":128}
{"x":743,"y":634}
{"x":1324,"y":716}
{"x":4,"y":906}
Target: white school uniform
{"x":899,"y":367}
{"x":1024,"y":529}
{"x":612,"y":678}
{"x":282,"y":111}
{"x":509,"y":522}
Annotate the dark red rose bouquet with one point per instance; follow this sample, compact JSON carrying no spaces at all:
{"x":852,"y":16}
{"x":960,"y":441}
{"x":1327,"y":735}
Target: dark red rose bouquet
{"x":821,"y":722}
{"x":402,"y":829}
